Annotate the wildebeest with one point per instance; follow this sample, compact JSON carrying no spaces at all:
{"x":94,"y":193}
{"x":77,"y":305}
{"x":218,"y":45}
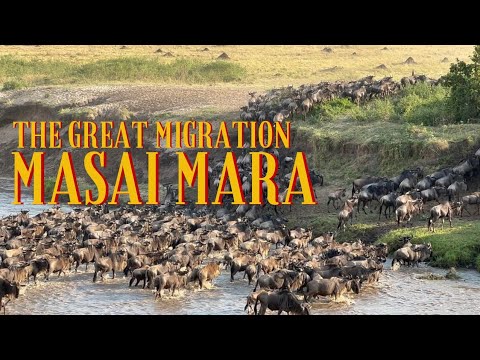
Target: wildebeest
{"x":470,"y":200}
{"x":329,"y":287}
{"x":466,"y":167}
{"x":280,"y":301}
{"x":139,"y":275}
{"x":334,"y":196}
{"x":360,"y":183}
{"x":456,"y":189}
{"x":426,"y":183}
{"x":170,"y":280}
{"x":441,"y":211}
{"x":87,"y":255}
{"x":113,"y":262}
{"x":205,"y":273}
{"x":7,"y":289}
{"x":408,"y":210}
{"x":411,"y":255}
{"x":430,"y":194}
{"x":346,"y":213}
{"x":387,"y":201}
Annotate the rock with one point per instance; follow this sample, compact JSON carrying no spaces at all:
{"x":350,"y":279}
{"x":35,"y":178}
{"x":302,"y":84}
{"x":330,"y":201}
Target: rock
{"x":168,"y":54}
{"x":159,"y":51}
{"x":452,"y":274}
{"x":382,"y":67}
{"x":445,"y":60}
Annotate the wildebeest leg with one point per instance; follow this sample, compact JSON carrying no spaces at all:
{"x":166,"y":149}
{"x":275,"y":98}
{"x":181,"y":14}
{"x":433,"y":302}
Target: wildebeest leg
{"x":131,"y":282}
{"x":233,"y":271}
{"x":138,"y":280}
{"x":144,"y":282}
{"x":450,"y":220}
{"x":86,"y":265}
{"x":443,"y":222}
{"x":263,"y":309}
{"x":113,"y":273}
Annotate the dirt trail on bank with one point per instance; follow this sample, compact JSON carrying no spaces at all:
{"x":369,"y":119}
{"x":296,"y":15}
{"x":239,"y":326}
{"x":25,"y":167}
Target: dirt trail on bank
{"x":113,"y":102}
{"x":140,"y":100}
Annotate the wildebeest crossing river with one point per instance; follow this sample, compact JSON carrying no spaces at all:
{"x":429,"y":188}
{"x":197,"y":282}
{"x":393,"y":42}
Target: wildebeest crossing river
{"x":400,"y":292}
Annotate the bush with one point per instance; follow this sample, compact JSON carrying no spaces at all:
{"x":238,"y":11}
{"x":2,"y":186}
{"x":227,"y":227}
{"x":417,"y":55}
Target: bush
{"x":464,"y":82}
{"x":13,"y":85}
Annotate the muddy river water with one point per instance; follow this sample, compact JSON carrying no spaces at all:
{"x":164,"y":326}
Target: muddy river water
{"x":398,"y":292}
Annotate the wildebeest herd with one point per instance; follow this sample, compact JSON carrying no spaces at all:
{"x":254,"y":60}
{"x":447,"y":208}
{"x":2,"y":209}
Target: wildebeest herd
{"x":407,"y":194}
{"x":172,"y":248}
{"x":278,"y":105}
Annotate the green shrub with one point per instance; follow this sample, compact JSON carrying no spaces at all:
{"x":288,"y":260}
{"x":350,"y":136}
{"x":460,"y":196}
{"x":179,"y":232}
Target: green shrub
{"x":464,"y":82}
{"x":13,"y":85}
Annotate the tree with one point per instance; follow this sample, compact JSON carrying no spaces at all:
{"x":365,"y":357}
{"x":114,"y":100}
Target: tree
{"x":464,"y":83}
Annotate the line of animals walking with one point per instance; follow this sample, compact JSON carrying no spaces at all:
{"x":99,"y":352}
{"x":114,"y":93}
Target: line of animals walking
{"x":281,"y":104}
{"x":407,"y":194}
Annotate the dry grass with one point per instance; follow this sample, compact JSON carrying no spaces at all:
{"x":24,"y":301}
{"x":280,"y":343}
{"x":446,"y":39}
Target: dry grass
{"x":270,"y":66}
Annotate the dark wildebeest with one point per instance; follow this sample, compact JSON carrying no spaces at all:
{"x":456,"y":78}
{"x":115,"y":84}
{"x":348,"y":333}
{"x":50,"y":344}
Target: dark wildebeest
{"x":346,"y":213}
{"x":330,"y":287}
{"x":334,"y":196}
{"x":441,"y":211}
{"x":387,"y":201}
{"x":371,"y":192}
{"x":139,"y":275}
{"x":431,"y":194}
{"x":456,"y":189}
{"x":426,"y":183}
{"x":467,"y":166}
{"x":408,"y":183}
{"x":7,"y":289}
{"x":411,"y":255}
{"x":39,"y":265}
{"x":445,"y":181}
{"x":470,"y":200}
{"x":360,"y":183}
{"x":281,"y":301}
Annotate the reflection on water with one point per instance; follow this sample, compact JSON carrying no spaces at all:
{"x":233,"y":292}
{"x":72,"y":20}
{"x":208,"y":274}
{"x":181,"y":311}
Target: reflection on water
{"x":397,"y":292}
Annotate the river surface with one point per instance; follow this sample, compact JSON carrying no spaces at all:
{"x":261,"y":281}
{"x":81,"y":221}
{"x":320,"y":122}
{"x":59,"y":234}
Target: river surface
{"x":399,"y":292}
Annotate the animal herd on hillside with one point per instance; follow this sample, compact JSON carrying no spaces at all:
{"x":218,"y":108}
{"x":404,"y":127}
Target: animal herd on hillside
{"x":171,"y":248}
{"x":285,"y":103}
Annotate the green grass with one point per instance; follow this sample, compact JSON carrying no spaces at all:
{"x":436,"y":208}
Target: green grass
{"x":385,"y":136}
{"x":16,"y":72}
{"x":458,"y":246}
{"x":421,"y":104}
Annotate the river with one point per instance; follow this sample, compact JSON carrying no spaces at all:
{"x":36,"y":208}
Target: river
{"x":399,"y":292}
